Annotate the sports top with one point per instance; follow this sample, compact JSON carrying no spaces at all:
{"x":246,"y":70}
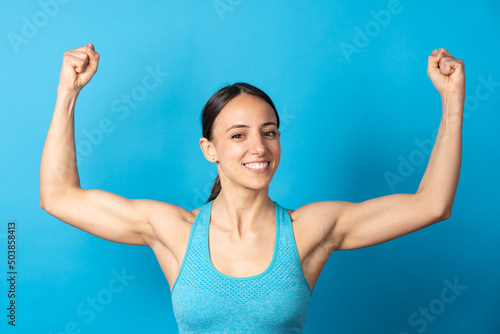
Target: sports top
{"x":205,"y":300}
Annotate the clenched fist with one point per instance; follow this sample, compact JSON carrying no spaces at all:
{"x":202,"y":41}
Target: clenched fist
{"x":446,"y":73}
{"x":78,"y":67}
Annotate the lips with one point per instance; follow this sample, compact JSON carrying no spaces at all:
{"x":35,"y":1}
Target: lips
{"x":257,"y":167}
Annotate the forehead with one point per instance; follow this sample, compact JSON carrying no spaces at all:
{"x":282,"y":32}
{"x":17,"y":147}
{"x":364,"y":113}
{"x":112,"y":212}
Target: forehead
{"x":245,"y":109}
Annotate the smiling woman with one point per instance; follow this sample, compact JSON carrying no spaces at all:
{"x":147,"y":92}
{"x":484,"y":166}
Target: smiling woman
{"x":242,"y":262}
{"x":226,"y":108}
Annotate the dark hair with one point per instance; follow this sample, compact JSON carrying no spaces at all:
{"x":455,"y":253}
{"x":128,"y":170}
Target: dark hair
{"x":213,"y":108}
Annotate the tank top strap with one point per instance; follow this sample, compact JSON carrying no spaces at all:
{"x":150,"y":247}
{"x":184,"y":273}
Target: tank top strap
{"x":193,"y":261}
{"x":289,"y":260}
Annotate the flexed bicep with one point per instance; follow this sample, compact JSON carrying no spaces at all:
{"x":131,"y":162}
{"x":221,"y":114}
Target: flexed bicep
{"x":385,"y":218}
{"x":116,"y":218}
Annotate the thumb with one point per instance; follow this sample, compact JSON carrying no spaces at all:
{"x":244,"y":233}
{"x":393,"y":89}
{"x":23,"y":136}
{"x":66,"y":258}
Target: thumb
{"x":458,"y":66}
{"x":93,"y":57}
{"x":433,"y":62}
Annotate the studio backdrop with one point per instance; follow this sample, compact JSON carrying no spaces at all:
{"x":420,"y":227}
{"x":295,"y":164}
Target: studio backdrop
{"x":358,"y":120}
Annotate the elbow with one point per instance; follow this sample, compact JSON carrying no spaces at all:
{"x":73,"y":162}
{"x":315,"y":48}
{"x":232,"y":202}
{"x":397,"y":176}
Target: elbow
{"x":437,"y":208}
{"x":444,"y":214}
{"x":43,"y":201}
{"x":48,"y":200}
{"x":45,"y":204}
{"x":447,"y":215}
{"x":52,"y":200}
{"x":45,"y":197}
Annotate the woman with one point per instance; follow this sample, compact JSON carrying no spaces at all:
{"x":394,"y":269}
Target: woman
{"x":242,"y":262}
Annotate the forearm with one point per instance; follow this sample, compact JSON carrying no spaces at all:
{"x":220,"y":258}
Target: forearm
{"x":58,"y":170}
{"x":440,"y":180}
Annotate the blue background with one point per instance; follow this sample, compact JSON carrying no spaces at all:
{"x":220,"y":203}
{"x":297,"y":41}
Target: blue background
{"x":347,"y":120}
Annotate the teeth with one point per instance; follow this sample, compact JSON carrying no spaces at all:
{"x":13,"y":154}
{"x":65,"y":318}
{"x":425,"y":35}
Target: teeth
{"x":257,"y":165}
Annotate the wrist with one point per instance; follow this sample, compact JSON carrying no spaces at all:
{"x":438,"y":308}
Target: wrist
{"x":66,"y":93}
{"x":66,"y":99}
{"x":453,"y":104}
{"x":453,"y":96}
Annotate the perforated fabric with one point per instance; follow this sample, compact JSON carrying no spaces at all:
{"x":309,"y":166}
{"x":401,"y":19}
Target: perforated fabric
{"x":207,"y":301}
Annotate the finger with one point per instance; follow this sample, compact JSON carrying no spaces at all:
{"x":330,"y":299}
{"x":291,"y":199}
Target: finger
{"x":77,"y":62}
{"x":82,"y":48}
{"x":436,"y":56}
{"x":93,"y":57}
{"x":82,"y":51}
{"x":444,"y":65}
{"x":448,"y":65}
{"x":445,"y":52}
{"x":433,"y":61}
{"x":80,"y":54}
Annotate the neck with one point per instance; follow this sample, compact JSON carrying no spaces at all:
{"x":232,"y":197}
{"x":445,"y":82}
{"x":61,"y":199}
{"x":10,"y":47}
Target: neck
{"x":240,"y":213}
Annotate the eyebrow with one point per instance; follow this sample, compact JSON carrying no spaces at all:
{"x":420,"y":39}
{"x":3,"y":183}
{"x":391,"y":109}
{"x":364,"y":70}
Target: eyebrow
{"x":246,"y":126}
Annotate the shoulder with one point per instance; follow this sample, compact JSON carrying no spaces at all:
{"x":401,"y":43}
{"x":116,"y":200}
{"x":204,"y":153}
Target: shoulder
{"x":194,"y":212}
{"x":316,"y":223}
{"x":318,"y":211}
{"x":169,"y":222}
{"x":164,"y":213}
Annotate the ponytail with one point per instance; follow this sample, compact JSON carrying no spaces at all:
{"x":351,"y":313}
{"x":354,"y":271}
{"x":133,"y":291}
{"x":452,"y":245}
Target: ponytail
{"x":215,"y":189}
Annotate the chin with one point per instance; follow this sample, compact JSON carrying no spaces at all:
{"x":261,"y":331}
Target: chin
{"x":260,"y":185}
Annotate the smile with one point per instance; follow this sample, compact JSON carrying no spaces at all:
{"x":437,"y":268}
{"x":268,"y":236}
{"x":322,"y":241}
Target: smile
{"x":258,"y":167}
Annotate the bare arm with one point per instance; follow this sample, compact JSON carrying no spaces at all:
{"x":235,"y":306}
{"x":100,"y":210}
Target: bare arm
{"x":356,"y":225}
{"x":103,"y":214}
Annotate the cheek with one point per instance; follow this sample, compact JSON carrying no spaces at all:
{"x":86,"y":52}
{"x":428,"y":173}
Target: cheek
{"x":231,"y":154}
{"x":275,"y":148}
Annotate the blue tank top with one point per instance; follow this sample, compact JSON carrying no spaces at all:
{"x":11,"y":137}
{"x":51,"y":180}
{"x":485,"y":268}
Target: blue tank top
{"x":205,"y":300}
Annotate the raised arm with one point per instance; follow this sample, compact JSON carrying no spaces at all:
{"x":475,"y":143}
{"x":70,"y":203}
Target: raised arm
{"x":347,"y":225}
{"x":103,"y":214}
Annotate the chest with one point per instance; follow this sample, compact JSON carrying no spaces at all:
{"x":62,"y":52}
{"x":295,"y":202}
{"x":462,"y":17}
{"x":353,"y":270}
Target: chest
{"x":243,"y":257}
{"x":250,"y":284}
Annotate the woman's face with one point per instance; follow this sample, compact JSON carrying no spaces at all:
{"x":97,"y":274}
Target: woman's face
{"x":246,"y":142}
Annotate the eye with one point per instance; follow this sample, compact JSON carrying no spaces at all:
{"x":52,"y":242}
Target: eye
{"x":237,"y":136}
{"x":270,"y":133}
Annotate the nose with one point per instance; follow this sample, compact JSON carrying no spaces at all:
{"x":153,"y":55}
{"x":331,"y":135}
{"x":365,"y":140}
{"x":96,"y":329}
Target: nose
{"x":257,"y":146}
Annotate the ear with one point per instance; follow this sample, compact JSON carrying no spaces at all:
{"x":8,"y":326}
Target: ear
{"x":208,"y":149}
